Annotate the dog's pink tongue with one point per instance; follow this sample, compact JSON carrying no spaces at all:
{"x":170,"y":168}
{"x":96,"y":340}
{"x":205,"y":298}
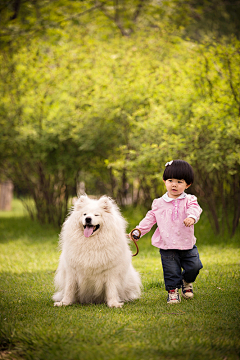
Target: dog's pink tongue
{"x":88,"y":231}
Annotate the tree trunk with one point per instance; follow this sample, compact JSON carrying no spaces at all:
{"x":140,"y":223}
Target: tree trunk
{"x":6,"y":195}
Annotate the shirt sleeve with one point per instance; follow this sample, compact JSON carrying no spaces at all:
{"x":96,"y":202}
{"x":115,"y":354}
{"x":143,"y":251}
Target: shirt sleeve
{"x":193,"y":209}
{"x":147,"y":223}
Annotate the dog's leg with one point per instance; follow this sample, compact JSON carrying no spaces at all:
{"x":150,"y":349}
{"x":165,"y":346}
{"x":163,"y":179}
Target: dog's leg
{"x":69,"y":293}
{"x":112,"y":294}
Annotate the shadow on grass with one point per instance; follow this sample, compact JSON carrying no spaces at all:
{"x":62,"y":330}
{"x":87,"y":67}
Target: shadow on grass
{"x":56,"y":345}
{"x":14,"y":228}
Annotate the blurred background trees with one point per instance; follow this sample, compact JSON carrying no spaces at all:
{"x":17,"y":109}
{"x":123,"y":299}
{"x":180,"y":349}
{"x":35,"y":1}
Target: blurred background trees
{"x":106,"y":92}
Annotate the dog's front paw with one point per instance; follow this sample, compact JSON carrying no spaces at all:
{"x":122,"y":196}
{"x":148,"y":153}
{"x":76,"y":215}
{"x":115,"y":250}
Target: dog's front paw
{"x":61,"y":303}
{"x":115,"y":304}
{"x":58,"y":303}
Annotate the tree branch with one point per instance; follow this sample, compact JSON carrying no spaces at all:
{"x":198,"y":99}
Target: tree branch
{"x":116,"y":18}
{"x":138,"y":10}
{"x":16,"y":8}
{"x":231,"y":84}
{"x":96,"y":6}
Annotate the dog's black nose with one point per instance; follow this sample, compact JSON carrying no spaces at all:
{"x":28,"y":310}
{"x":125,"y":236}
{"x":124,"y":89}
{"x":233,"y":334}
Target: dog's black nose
{"x":88,"y":220}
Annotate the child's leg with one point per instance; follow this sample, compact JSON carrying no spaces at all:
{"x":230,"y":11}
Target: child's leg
{"x":191,"y":264}
{"x":171,"y":269}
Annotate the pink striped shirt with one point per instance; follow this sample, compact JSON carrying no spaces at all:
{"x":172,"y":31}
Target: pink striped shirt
{"x":169,"y":214}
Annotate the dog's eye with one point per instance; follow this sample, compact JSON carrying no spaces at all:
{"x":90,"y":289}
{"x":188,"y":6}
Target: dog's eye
{"x":97,"y":215}
{"x":84,"y":214}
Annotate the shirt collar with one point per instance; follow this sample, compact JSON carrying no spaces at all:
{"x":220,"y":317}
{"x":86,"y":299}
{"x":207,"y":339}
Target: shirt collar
{"x":168,"y":199}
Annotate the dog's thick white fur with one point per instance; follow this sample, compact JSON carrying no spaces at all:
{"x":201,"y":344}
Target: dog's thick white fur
{"x":96,"y":262}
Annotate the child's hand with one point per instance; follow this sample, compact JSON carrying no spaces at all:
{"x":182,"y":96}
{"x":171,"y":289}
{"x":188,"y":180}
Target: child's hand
{"x":189,"y":222}
{"x":135,"y":234}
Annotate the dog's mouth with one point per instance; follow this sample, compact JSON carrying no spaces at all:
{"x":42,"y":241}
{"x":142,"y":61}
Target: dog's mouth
{"x":90,"y":229}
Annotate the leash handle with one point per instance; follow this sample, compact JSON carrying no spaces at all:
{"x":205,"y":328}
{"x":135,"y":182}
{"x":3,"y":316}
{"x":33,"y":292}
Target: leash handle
{"x":132,"y":238}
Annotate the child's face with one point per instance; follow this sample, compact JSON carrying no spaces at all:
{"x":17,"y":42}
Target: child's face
{"x":175,"y":187}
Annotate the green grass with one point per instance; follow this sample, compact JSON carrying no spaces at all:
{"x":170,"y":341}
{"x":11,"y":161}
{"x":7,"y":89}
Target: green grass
{"x":31,"y":328}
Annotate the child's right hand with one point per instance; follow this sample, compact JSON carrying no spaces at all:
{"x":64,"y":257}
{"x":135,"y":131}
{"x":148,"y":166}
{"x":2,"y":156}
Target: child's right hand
{"x":189,"y":222}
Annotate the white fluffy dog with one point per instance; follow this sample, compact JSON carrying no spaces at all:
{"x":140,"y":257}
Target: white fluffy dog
{"x":96,"y":262}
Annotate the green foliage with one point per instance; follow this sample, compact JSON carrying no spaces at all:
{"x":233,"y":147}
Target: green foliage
{"x":79,"y":101}
{"x":195,"y":19}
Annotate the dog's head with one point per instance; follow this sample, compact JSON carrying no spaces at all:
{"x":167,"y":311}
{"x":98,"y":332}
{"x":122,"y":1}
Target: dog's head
{"x":92,"y":213}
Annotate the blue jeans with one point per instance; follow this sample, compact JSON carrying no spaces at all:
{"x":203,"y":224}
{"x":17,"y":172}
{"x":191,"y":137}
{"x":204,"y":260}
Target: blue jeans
{"x":173,"y":261}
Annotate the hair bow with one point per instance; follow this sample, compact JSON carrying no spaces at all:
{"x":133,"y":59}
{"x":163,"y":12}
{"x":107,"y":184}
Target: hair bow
{"x":169,"y":163}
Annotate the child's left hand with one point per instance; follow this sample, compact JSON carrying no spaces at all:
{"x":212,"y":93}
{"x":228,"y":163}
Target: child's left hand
{"x":189,"y":222}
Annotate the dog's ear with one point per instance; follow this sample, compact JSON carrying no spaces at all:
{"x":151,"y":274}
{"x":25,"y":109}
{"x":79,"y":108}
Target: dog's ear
{"x":105,"y":203}
{"x":80,"y":202}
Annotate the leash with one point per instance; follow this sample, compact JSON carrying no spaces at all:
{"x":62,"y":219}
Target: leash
{"x":132,"y":238}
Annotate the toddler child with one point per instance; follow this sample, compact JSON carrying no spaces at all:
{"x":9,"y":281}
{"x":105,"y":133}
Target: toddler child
{"x":175,"y":214}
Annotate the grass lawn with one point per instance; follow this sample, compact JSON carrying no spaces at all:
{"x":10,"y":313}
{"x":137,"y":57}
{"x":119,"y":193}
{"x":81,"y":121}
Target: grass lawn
{"x":32,"y":328}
